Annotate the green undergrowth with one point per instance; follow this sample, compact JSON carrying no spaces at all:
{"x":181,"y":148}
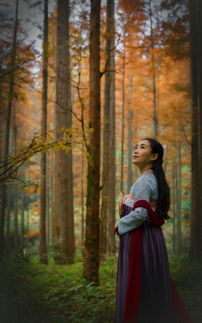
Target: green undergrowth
{"x":188,"y":279}
{"x":61,"y":291}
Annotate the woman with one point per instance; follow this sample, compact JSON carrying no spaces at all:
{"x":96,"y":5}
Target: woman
{"x":145,"y":292}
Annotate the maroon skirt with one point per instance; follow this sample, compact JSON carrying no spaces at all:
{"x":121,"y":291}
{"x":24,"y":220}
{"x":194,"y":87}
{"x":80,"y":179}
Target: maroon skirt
{"x":145,"y":292}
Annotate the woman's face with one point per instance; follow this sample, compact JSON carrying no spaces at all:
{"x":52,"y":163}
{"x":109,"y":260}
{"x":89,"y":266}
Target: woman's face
{"x":142,"y":154}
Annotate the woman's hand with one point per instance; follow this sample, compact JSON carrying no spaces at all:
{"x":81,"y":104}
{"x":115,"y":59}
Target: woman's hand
{"x":131,"y":196}
{"x":116,"y":228}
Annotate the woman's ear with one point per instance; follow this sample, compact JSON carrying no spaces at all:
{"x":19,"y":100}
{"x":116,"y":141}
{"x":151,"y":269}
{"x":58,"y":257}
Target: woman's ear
{"x":154,"y":156}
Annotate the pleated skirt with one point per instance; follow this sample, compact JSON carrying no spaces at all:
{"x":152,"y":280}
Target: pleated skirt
{"x":145,"y":292}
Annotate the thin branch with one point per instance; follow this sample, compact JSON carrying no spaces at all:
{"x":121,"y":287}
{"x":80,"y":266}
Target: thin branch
{"x":9,"y":71}
{"x":39,"y":145}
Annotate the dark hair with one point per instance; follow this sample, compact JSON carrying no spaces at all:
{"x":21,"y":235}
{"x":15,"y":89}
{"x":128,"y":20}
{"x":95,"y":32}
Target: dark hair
{"x":163,"y":188}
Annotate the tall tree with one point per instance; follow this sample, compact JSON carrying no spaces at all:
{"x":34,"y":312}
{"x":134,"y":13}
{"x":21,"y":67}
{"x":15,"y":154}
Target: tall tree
{"x":63,"y":212}
{"x":123,"y":114}
{"x":130,"y":149}
{"x":9,"y":127}
{"x":196,"y":73}
{"x":107,"y":218}
{"x":178,"y":201}
{"x":14,"y":193}
{"x":112,"y":126}
{"x":154,"y":67}
{"x":43,"y":202}
{"x":82,"y":197}
{"x":22,"y":223}
{"x":174,"y":198}
{"x":91,"y":253}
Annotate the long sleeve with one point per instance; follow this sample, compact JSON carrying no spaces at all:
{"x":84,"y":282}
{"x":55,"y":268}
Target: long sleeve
{"x":142,"y":190}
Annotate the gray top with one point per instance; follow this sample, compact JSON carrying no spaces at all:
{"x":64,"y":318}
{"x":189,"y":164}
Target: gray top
{"x":145,"y":188}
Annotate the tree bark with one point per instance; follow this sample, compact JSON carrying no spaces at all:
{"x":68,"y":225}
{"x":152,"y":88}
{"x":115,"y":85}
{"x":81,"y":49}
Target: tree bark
{"x":108,"y":162}
{"x":200,"y":122}
{"x":174,"y":205}
{"x":123,"y":118}
{"x":8,"y":131}
{"x":82,"y":197}
{"x":50,"y":197}
{"x":22,"y":224}
{"x":130,"y":149}
{"x":63,"y":212}
{"x":196,"y":75}
{"x":178,"y":197}
{"x":15,"y":218}
{"x":110,"y":78}
{"x":91,"y":253}
{"x":43,"y":198}
{"x":154,"y":91}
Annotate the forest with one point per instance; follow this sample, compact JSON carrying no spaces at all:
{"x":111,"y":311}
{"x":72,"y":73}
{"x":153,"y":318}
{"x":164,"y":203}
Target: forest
{"x":81,"y":82}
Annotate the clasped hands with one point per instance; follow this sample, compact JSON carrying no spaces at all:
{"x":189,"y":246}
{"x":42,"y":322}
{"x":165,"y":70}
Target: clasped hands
{"x":123,"y":197}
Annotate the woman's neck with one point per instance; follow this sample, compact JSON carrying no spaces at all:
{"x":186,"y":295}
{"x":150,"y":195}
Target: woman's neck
{"x":145,"y":169}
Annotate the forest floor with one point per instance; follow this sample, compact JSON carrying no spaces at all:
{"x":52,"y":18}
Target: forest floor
{"x":31,"y":292}
{"x":54,"y":293}
{"x":16,"y":306}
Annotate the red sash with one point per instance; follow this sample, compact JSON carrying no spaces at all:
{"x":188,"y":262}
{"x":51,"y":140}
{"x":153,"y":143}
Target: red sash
{"x":133,"y":289}
{"x":134,"y":274}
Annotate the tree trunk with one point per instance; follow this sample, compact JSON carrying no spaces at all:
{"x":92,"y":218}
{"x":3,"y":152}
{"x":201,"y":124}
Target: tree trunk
{"x":196,"y":74}
{"x":63,"y":162}
{"x":108,"y":178}
{"x":123,"y":118}
{"x":174,"y":205}
{"x":50,"y":197}
{"x":155,"y":119}
{"x":16,"y":220}
{"x":178,"y":196}
{"x":14,"y":190}
{"x":200,"y":122}
{"x":22,"y":224}
{"x":8,"y":131}
{"x":130,"y":149}
{"x":82,"y":197}
{"x":91,"y":254}
{"x":105,"y":158}
{"x":112,"y":150}
{"x":28,"y":220}
{"x":43,"y":199}
{"x":48,"y":222}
